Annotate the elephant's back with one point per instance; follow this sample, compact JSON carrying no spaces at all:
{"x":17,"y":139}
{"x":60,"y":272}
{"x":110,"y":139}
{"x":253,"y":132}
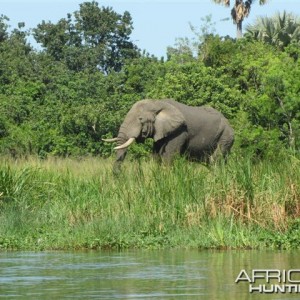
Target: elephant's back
{"x":198,"y":116}
{"x":199,"y":111}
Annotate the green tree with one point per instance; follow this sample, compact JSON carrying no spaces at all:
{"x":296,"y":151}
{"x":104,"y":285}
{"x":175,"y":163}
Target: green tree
{"x":3,"y":28}
{"x":280,"y":85}
{"x":239,"y":12}
{"x":93,"y":37}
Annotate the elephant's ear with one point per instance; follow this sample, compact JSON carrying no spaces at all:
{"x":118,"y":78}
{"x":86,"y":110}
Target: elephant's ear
{"x":168,"y":120}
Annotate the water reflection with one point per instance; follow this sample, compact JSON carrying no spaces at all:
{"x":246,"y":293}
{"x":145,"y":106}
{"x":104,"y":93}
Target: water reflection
{"x":137,"y":274}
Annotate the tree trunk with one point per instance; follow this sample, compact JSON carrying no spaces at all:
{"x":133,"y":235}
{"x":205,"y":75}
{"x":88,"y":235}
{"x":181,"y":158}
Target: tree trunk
{"x":239,"y":29}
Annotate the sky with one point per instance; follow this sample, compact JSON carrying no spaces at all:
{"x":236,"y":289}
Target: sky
{"x":157,"y":24}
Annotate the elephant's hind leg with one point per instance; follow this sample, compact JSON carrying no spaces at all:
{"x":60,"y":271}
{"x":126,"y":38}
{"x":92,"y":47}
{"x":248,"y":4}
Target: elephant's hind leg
{"x":221,"y":151}
{"x":217,"y":154}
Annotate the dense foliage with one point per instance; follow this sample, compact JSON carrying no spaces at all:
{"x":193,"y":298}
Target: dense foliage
{"x":62,"y":99}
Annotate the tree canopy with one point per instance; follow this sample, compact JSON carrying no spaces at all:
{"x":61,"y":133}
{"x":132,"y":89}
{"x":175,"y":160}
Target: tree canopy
{"x":62,"y":99}
{"x":92,"y":37}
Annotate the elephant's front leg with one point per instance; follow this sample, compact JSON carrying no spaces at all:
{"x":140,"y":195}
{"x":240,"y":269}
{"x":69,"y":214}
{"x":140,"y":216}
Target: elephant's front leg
{"x":169,"y":147}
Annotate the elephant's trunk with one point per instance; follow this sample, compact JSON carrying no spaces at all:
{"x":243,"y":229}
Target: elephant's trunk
{"x":129,"y":131}
{"x":122,"y":145}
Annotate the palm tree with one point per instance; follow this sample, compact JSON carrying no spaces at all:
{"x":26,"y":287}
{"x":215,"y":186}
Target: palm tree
{"x":279,"y":30}
{"x":239,"y":12}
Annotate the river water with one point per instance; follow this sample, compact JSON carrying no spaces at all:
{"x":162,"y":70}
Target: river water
{"x":168,"y":274}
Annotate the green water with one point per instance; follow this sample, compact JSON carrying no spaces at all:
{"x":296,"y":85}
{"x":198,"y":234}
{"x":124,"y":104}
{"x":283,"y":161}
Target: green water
{"x":173,"y":274}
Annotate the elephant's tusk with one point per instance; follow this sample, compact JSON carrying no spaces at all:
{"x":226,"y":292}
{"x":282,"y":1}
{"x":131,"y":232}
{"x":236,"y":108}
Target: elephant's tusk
{"x":126,"y":144}
{"x":110,"y":140}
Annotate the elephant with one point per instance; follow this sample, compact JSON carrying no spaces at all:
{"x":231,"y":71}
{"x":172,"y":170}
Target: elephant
{"x":201,"y":133}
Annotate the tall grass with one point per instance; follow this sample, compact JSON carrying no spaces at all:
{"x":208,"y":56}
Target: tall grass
{"x":72,"y":204}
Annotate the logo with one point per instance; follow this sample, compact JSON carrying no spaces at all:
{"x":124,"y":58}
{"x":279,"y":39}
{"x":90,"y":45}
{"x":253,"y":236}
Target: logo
{"x":271,"y":281}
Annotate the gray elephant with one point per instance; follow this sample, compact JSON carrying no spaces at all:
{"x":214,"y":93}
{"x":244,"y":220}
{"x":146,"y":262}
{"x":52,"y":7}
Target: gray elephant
{"x":199,"y":132}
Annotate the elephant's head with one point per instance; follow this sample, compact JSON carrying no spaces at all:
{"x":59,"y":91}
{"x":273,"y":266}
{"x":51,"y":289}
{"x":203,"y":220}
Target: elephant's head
{"x":155,"y":119}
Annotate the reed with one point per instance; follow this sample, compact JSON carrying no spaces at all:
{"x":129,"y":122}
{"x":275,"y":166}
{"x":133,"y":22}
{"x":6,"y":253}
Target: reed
{"x":79,"y":203}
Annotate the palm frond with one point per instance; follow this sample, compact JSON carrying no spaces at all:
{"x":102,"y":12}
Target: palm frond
{"x":279,"y":30}
{"x":223,"y":2}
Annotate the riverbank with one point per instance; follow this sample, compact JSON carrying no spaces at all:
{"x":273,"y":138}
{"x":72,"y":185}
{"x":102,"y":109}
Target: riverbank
{"x":79,"y":204}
